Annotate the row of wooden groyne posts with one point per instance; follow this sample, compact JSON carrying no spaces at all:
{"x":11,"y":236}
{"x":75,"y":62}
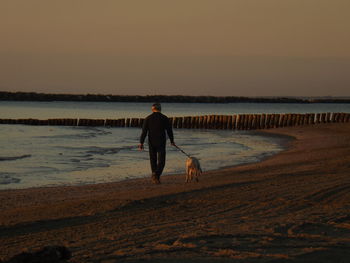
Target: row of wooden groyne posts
{"x":230,"y":122}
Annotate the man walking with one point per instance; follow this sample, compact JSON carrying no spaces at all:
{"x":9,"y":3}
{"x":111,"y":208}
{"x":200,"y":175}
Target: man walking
{"x":156,"y":126}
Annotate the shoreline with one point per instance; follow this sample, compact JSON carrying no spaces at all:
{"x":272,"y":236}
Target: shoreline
{"x":277,"y":143}
{"x":298,"y":197}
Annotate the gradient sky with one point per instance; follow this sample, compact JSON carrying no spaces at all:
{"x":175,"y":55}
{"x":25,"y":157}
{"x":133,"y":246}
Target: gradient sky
{"x":181,"y":47}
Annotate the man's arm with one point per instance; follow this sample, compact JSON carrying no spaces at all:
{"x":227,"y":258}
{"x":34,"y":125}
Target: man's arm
{"x":169,"y":130}
{"x":143,"y":134}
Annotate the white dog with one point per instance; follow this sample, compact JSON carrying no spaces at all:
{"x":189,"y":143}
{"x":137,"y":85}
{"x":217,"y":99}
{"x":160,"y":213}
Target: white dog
{"x":193,"y":169}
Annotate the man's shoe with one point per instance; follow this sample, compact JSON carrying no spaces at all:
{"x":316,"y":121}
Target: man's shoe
{"x":155,"y":178}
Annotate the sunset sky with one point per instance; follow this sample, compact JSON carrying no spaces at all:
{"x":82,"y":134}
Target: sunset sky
{"x":176,"y":47}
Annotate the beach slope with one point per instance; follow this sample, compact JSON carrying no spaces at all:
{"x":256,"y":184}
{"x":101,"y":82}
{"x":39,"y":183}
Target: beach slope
{"x":292,"y":207}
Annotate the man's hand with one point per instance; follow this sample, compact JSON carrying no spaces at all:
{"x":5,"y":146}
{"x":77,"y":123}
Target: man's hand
{"x":173,"y":144}
{"x":141,"y":147}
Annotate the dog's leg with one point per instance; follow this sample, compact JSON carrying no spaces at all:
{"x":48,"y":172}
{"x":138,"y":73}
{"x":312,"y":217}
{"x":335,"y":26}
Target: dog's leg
{"x":190,"y":174}
{"x":187,"y":174}
{"x":197,"y":175}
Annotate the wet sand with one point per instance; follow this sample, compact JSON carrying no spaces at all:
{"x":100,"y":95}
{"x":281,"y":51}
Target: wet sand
{"x":292,"y":207}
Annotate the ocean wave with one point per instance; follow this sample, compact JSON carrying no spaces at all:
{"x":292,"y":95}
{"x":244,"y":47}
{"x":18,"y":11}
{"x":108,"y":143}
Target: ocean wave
{"x":109,"y":150}
{"x":85,"y":133}
{"x":13,"y":158}
{"x":8,"y":179}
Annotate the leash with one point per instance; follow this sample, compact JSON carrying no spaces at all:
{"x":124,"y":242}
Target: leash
{"x":189,"y":156}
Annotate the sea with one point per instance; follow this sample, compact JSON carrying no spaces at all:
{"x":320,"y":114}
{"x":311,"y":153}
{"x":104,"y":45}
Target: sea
{"x":45,"y":156}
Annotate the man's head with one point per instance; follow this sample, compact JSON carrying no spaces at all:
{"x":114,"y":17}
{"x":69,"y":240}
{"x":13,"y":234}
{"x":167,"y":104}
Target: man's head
{"x":156,"y":107}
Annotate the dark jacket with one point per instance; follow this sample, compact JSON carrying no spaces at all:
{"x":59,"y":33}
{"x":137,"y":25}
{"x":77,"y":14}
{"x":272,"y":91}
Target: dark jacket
{"x":155,"y":126}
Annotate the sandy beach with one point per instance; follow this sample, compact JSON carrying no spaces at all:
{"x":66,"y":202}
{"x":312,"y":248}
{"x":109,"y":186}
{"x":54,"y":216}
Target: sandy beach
{"x":292,"y":207}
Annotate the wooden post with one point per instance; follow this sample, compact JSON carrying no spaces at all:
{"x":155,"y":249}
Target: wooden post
{"x":343,"y":117}
{"x":201,"y":122}
{"x":254,"y":125}
{"x":180,"y":122}
{"x":223,"y":122}
{"x":309,"y":117}
{"x":297,"y":119}
{"x":272,"y":121}
{"x":184,"y":122}
{"x":214,"y":122}
{"x":82,"y":122}
{"x":281,"y":121}
{"x":189,"y":122}
{"x":244,"y":122}
{"x":207,"y":121}
{"x":305,"y":121}
{"x":335,"y":117}
{"x":101,"y":122}
{"x":347,"y":117}
{"x":229,"y":122}
{"x":328,"y":117}
{"x":317,"y":118}
{"x":234,"y":119}
{"x":204,"y":122}
{"x":122,"y":122}
{"x":258,"y":121}
{"x":249,"y":122}
{"x":217,"y":121}
{"x":293,"y":119}
{"x":171,"y":121}
{"x":176,"y":122}
{"x":133,"y":122}
{"x":268,"y":118}
{"x":241,"y":121}
{"x":111,"y":123}
{"x":262,"y":121}
{"x":238,"y":121}
{"x":196,"y":122}
{"x":308,"y":121}
{"x":275,"y":121}
{"x":301,"y":119}
{"x":46,"y":122}
{"x":118,"y":123}
{"x":312,"y":118}
{"x":210,"y":122}
{"x":137,"y":122}
{"x":108,"y":122}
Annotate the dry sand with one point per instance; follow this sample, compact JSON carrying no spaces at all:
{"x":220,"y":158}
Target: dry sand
{"x":292,"y":207}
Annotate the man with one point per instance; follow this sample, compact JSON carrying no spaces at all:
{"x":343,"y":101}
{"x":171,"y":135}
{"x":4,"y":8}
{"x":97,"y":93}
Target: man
{"x":155,"y":125}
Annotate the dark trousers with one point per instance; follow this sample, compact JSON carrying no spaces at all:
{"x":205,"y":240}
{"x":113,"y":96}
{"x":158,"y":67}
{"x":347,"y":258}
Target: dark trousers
{"x":157,"y":158}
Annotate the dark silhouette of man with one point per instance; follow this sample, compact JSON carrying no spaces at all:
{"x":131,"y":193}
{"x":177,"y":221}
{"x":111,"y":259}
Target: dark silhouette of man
{"x":156,"y":126}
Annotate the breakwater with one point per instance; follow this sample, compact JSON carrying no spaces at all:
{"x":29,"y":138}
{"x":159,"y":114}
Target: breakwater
{"x":225,"y":122}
